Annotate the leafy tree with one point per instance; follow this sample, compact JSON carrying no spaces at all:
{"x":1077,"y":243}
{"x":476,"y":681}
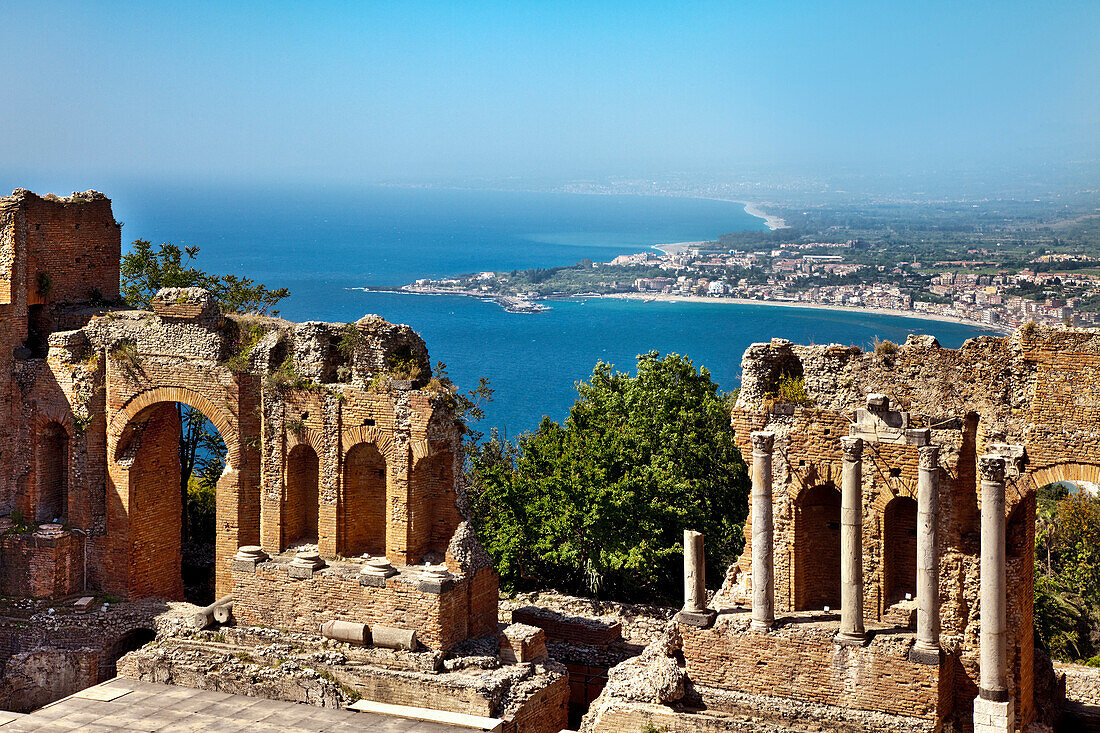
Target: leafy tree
{"x":144,"y":271}
{"x":1067,"y":572}
{"x":202,"y":460}
{"x":598,"y":505}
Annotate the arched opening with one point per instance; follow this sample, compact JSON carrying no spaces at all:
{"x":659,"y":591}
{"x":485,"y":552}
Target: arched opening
{"x":899,"y":549}
{"x":128,"y":642}
{"x":175,"y":457}
{"x":53,"y":474}
{"x":817,"y":548}
{"x":300,"y":497}
{"x":432,"y":507}
{"x":362,"y":512}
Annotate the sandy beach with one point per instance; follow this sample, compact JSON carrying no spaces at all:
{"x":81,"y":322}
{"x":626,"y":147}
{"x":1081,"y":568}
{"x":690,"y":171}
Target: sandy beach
{"x":772,"y":222}
{"x":676,"y":248}
{"x":666,"y":298}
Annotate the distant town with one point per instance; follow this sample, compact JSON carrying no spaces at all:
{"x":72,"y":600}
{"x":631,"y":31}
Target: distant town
{"x":969,"y":289}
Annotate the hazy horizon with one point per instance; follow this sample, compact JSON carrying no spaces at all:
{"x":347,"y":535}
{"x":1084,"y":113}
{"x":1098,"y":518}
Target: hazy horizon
{"x":281,"y":94}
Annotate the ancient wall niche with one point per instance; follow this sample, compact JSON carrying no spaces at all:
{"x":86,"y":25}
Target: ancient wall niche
{"x":362,"y":515}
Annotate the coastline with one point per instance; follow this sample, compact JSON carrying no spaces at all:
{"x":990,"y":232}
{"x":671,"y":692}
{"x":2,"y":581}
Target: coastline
{"x":665,"y":298}
{"x":770,"y":221}
{"x":676,"y":248}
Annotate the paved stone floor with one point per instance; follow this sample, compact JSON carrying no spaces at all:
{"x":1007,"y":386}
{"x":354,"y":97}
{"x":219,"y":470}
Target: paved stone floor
{"x":150,"y":707}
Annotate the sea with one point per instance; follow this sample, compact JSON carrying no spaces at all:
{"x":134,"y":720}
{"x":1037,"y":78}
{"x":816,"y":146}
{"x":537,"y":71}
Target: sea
{"x":325,"y":245}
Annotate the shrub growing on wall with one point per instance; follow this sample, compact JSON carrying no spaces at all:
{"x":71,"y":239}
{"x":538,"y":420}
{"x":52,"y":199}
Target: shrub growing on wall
{"x":598,"y":505}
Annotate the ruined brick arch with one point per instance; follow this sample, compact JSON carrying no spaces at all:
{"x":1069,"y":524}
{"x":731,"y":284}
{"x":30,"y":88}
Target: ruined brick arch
{"x":223,"y":422}
{"x":1052,"y":474}
{"x":51,"y":414}
{"x":312,"y":437}
{"x":808,"y":476}
{"x":367,"y":434}
{"x":300,"y":499}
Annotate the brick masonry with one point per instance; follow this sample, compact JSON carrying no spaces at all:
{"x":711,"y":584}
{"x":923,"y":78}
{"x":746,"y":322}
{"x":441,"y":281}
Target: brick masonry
{"x":323,"y":445}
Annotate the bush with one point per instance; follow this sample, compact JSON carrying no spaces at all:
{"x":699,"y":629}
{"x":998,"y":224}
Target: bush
{"x":885,"y":347}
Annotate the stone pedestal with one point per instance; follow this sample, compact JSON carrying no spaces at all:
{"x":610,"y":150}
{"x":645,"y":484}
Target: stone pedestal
{"x":993,"y":717}
{"x":763,"y":566}
{"x":247,"y":558}
{"x":851,"y":544}
{"x":926,"y":650}
{"x":304,"y":564}
{"x":993,"y":669}
{"x":695,"y":612}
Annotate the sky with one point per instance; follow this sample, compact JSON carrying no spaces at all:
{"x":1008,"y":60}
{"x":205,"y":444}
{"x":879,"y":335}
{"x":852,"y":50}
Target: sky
{"x":411,"y":91}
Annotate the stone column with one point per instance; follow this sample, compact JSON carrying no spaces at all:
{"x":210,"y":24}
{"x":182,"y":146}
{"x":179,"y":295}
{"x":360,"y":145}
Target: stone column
{"x":927,"y":648}
{"x":851,"y":544}
{"x":763,"y":565}
{"x":993,"y":709}
{"x":695,"y":612}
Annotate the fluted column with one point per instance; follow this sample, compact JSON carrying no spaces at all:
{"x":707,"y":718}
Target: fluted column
{"x":993,"y":709}
{"x":851,"y":544}
{"x":763,"y":564}
{"x":927,"y":648}
{"x":695,"y":611}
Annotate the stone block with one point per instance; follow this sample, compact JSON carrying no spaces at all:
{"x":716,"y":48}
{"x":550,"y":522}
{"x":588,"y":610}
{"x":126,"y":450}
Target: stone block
{"x":522,"y":643}
{"x":301,"y":572}
{"x":700,"y":619}
{"x":993,"y":717}
{"x":931,"y":657}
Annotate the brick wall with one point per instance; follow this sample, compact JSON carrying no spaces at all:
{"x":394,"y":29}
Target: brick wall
{"x":817,"y":548}
{"x":156,"y":507}
{"x":40,"y":567}
{"x":269,"y":597}
{"x":76,"y":244}
{"x":899,"y":548}
{"x":364,"y":516}
{"x":805,"y":664}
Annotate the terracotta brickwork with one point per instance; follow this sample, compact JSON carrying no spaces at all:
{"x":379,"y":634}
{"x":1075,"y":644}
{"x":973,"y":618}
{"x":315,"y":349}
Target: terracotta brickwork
{"x":1033,"y":397}
{"x":803,"y":663}
{"x":270,"y":596}
{"x":324,"y":446}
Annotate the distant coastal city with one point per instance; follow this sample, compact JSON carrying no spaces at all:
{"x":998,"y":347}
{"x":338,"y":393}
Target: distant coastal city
{"x":976,"y":286}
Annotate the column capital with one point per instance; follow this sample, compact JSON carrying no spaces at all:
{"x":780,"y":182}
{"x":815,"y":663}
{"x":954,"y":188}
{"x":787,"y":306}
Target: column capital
{"x":853,"y":448}
{"x":762,"y":441}
{"x":928,"y":457}
{"x":992,"y":468}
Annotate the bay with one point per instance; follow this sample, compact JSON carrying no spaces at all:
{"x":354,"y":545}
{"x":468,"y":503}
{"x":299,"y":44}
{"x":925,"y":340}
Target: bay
{"x":324,"y":245}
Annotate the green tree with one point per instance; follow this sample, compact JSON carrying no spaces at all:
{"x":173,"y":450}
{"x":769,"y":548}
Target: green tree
{"x":598,"y":505}
{"x":1067,"y":572}
{"x":145,"y":270}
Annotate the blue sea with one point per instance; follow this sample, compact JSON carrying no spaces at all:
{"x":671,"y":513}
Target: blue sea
{"x":325,"y":244}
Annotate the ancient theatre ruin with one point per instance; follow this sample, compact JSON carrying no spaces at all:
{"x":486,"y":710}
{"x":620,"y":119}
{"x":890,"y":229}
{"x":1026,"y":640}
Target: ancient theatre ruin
{"x":340,"y":515}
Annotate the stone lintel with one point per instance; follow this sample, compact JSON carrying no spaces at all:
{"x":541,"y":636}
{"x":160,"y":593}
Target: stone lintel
{"x":931,"y":657}
{"x":872,"y":433}
{"x":700,"y":619}
{"x":435,"y":587}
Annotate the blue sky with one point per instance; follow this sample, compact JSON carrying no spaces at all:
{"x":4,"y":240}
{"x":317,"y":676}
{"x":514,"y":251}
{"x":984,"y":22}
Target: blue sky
{"x":367,"y":91}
